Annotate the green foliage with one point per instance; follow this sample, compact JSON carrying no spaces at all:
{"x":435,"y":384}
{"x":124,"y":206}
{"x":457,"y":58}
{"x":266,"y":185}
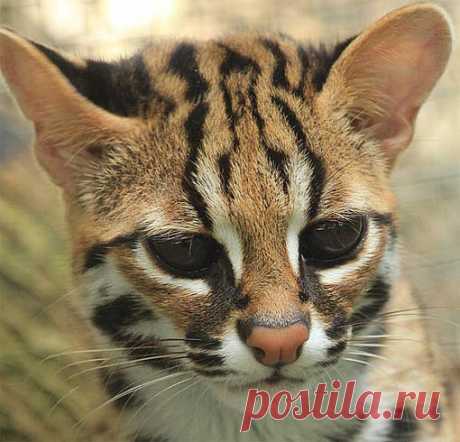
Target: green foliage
{"x":40,"y":399}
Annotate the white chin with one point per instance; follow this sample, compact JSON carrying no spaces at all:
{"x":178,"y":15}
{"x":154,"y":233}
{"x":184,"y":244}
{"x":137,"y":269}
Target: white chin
{"x":235,"y":396}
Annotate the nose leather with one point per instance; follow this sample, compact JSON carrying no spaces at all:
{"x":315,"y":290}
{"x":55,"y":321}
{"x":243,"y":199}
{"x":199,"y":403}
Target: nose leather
{"x":278,"y":346}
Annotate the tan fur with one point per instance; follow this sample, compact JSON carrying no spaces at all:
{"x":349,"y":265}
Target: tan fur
{"x":136,"y":179}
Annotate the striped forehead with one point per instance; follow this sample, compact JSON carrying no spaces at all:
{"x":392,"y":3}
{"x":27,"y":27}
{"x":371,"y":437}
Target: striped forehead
{"x":251,"y":173}
{"x":232,"y":110}
{"x":243,"y":127}
{"x":237,"y":113}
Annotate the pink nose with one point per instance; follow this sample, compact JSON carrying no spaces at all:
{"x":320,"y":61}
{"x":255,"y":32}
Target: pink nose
{"x":278,"y":346}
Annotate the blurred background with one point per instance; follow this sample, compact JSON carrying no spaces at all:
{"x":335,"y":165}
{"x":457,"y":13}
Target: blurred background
{"x":47,"y":394}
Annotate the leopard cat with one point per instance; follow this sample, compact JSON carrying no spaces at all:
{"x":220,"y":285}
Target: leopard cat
{"x":232,"y":220}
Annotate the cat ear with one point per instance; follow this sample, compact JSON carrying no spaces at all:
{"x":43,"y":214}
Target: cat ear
{"x":383,"y":77}
{"x":46,"y":85}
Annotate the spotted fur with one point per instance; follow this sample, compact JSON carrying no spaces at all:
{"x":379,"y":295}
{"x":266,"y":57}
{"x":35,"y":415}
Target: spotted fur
{"x":250,"y":139}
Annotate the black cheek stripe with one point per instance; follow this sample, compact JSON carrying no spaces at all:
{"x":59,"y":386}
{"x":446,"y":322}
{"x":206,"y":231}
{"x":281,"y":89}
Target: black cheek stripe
{"x":202,"y":340}
{"x":206,"y":360}
{"x":377,"y":297}
{"x":337,"y":349}
{"x":120,"y":313}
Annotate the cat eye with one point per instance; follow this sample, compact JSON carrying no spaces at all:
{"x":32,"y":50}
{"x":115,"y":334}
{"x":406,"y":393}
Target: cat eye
{"x":332,"y":241}
{"x":189,"y":257}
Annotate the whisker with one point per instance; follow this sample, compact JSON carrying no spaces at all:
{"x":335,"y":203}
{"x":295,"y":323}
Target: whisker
{"x":100,"y":350}
{"x":129,"y":363}
{"x":391,"y":339}
{"x":182,"y":390}
{"x":358,"y":361}
{"x":368,"y":345}
{"x":126,"y":392}
{"x":367,"y":354}
{"x":420,"y":308}
{"x":63,"y":398}
{"x":414,"y":316}
{"x":164,"y":390}
{"x":85,"y":361}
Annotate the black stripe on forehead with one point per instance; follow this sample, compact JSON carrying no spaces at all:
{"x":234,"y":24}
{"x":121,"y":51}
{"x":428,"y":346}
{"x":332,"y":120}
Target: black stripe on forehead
{"x":278,"y":161}
{"x":236,"y":62}
{"x":123,"y":88}
{"x":183,"y":63}
{"x":224,"y":172}
{"x":233,"y":63}
{"x":304,"y":60}
{"x":279,"y":78}
{"x":318,"y":172}
{"x":194,"y":129}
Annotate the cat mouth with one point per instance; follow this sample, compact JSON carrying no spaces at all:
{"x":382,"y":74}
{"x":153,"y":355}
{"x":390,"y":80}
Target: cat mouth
{"x":276,"y":378}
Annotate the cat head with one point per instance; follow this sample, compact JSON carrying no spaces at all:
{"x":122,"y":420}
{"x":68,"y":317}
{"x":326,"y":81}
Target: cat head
{"x":231,"y":197}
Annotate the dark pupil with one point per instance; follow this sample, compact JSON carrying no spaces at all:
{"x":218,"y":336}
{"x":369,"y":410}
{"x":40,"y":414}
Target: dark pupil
{"x":186,"y":255}
{"x":331,"y":240}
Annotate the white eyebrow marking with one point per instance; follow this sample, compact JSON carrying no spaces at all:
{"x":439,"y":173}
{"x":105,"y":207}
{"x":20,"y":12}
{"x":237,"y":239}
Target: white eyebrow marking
{"x":300,"y":181}
{"x":227,"y":235}
{"x":337,"y":274}
{"x":296,"y":224}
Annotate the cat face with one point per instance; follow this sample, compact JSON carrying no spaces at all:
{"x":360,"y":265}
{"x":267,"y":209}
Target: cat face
{"x":247,"y":214}
{"x":228,"y":201}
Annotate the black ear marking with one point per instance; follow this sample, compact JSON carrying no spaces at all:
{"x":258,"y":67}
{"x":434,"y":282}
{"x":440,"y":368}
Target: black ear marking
{"x":123,"y":88}
{"x":325,"y":59}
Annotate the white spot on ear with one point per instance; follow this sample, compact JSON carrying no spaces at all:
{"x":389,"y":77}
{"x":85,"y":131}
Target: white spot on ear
{"x":153,"y":271}
{"x":337,"y":274}
{"x":227,"y":235}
